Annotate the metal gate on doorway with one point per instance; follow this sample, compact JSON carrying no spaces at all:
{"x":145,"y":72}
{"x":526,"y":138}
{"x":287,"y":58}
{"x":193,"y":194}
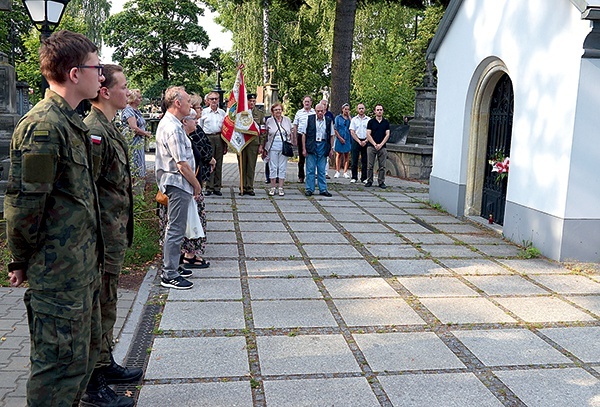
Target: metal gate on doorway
{"x":499,"y":135}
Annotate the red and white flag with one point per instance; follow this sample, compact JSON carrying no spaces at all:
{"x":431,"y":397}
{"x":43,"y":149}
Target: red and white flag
{"x":239,"y":127}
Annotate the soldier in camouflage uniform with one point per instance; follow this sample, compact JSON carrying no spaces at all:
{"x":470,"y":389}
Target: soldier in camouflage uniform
{"x":53,"y":224}
{"x":113,"y":181}
{"x":253,"y":149}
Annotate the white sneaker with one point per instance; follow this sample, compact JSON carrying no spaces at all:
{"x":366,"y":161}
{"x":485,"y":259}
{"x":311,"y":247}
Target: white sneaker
{"x":346,"y":175}
{"x":365,"y":181}
{"x":281,"y":193}
{"x":337,"y":174}
{"x":272,"y":191}
{"x":352,"y":181}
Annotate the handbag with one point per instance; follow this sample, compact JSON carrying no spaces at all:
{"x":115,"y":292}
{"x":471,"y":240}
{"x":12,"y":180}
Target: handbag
{"x":162,"y":198}
{"x":287,"y":149}
{"x":193,"y":228}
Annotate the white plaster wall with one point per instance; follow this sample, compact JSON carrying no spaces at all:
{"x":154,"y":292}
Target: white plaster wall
{"x":583,"y":200}
{"x":540,"y":42}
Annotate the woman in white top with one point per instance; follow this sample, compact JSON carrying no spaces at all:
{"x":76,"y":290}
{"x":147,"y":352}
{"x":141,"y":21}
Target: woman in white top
{"x":279,"y":128}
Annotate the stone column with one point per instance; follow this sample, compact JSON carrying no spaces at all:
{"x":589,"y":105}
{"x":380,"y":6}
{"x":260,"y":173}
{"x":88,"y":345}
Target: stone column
{"x":271,"y":94}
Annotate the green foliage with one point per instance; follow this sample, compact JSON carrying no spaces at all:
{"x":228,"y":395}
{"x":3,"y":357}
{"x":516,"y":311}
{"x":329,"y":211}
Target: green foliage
{"x":155,"y":42}
{"x":146,"y":232}
{"x":528,"y":251}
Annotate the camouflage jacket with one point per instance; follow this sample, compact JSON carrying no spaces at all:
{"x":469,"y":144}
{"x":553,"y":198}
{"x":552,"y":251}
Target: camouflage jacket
{"x":51,"y":205}
{"x":113,"y":181}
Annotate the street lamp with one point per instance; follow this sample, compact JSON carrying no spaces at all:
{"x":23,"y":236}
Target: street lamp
{"x":45,"y":15}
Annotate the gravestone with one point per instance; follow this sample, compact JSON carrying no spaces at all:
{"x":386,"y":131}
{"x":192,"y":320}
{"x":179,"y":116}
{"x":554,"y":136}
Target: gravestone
{"x":9,"y":118}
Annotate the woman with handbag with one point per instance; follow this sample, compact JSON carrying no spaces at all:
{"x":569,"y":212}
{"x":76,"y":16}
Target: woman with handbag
{"x":278,"y":146}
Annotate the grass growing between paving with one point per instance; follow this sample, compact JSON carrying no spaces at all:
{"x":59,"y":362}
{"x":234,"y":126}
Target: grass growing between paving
{"x":138,"y":258}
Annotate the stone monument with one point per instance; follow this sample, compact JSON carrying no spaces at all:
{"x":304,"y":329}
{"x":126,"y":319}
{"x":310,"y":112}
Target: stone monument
{"x":271,"y":94}
{"x":9,"y":118}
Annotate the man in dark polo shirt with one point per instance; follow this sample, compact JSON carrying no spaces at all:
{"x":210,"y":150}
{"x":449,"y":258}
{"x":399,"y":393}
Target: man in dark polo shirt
{"x":378,"y":133}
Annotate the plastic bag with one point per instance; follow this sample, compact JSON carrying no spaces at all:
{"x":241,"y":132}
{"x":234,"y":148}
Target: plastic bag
{"x":193,"y":229}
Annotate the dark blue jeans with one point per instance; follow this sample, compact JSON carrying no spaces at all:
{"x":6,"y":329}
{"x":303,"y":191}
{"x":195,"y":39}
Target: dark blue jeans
{"x":356,"y":150}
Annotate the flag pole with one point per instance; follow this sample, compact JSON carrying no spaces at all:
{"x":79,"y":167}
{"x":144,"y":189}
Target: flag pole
{"x":241,"y":173}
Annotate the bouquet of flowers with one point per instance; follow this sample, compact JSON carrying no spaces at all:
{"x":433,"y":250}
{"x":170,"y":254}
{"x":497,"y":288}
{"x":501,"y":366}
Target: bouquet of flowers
{"x":499,"y":165}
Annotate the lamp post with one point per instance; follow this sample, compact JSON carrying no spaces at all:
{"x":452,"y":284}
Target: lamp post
{"x":45,"y":15}
{"x":218,"y":87}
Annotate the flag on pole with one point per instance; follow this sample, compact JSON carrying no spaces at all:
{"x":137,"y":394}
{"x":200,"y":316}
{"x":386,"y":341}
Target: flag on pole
{"x":239,"y":127}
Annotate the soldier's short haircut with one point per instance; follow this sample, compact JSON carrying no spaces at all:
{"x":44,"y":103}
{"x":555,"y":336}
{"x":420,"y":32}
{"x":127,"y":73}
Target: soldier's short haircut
{"x":109,"y":72}
{"x":172,"y":94}
{"x":62,"y":51}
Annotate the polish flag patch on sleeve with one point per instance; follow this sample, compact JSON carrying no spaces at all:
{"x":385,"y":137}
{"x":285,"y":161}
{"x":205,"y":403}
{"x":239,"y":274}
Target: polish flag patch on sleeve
{"x":96,"y":139}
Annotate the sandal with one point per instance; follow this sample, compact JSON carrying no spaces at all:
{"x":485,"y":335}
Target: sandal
{"x":281,"y":193}
{"x":272,"y":191}
{"x":194,"y":263}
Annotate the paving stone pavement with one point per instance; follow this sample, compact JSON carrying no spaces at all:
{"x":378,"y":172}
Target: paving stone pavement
{"x":367,"y":298}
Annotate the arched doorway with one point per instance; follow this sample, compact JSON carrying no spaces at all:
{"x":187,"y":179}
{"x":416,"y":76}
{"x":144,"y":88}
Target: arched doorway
{"x":499,"y":133}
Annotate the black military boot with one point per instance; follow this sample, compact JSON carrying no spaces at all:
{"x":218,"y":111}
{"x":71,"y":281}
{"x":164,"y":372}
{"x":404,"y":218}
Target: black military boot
{"x":116,"y":374}
{"x":98,"y":394}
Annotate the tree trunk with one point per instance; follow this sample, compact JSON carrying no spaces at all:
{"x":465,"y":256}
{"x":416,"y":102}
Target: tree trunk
{"x":341,"y":61}
{"x":265,"y":42}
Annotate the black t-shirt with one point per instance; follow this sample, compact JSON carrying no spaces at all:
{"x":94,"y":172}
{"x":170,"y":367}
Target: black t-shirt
{"x":378,"y":129}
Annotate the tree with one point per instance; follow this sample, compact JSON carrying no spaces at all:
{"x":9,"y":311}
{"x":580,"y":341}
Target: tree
{"x":155,"y":41}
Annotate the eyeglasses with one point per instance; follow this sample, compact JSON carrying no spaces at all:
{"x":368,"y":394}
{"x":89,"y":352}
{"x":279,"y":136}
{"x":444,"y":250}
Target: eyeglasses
{"x":213,"y":98}
{"x":100,"y":68}
{"x":379,"y":110}
{"x":196,"y":107}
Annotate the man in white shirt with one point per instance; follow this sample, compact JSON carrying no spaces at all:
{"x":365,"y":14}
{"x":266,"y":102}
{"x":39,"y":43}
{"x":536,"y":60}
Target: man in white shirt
{"x":358,"y":130}
{"x":212,"y":122}
{"x":300,"y":131}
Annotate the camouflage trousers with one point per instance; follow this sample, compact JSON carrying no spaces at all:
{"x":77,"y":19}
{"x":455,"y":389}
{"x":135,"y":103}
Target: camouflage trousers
{"x":65,"y":342}
{"x":113,"y":263}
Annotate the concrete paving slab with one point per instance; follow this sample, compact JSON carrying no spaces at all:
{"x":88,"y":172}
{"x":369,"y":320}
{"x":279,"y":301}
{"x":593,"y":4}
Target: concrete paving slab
{"x":437,"y":219}
{"x":378,"y":238}
{"x":321,"y":237}
{"x":267,"y":237}
{"x":273,"y":224}
{"x":172,"y":358}
{"x":209,"y":289}
{"x":343,"y":268}
{"x":498,"y":250}
{"x":221,"y":394}
{"x":568,"y":284}
{"x":223,"y":250}
{"x":589,"y":302}
{"x":257,"y":217}
{"x":428,"y":238}
{"x":569,"y":387}
{"x":312,"y":227}
{"x":393,"y":251}
{"x":466,"y":310}
{"x":219,"y":226}
{"x":436,"y":287}
{"x":438,"y":390}
{"x":355,"y":216}
{"x":543,"y":309}
{"x":377,"y":311}
{"x":367,"y":287}
{"x":305,"y":217}
{"x":279,"y":268}
{"x":400,"y":351}
{"x":222,"y":216}
{"x":219,"y":268}
{"x":480,"y":238}
{"x":535,"y":266}
{"x":582,"y":341}
{"x":283,"y":288}
{"x":221,"y":237}
{"x":413,"y":267}
{"x":505,"y":347}
{"x":454,"y":251}
{"x":380,"y":208}
{"x":506,"y":285}
{"x":286,"y":251}
{"x":408,"y":228}
{"x":362,"y":227}
{"x":338,"y":251}
{"x":180,"y":315}
{"x":339,"y":392}
{"x":305,"y":354}
{"x":457,"y":228}
{"x":292,"y":314}
{"x":475,"y":267}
